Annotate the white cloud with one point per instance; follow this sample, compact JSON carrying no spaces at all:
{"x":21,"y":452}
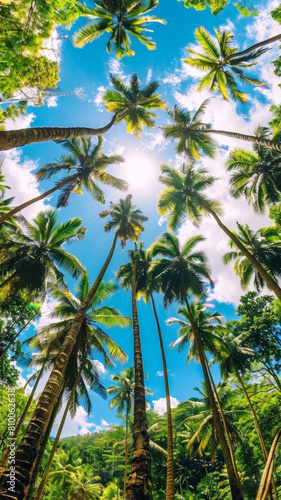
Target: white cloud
{"x":149,"y":75}
{"x":23,"y":184}
{"x":160,"y":407}
{"x":52,"y":47}
{"x":51,"y":101}
{"x":160,"y":374}
{"x":116,"y":67}
{"x":98,"y":99}
{"x":227,"y":26}
{"x":263,"y":26}
{"x":22,"y":121}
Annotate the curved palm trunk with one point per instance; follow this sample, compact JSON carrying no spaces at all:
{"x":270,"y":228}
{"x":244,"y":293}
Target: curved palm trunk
{"x":170,"y":484}
{"x":243,"y":137}
{"x":15,"y":138}
{"x":21,"y":420}
{"x":271,"y":283}
{"x":268,"y":470}
{"x":253,"y":47}
{"x":256,"y":424}
{"x":140,"y":482}
{"x":126,"y":453}
{"x":17,"y":209}
{"x":57,"y":438}
{"x":29,"y":446}
{"x":231,"y":450}
{"x":44,"y":441}
{"x":235,"y":489}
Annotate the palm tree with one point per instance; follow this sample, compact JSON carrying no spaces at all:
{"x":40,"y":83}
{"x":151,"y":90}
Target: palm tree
{"x":185,"y":196}
{"x":256,"y":174}
{"x":221,"y":69}
{"x":120,"y":19}
{"x":140,"y":462}
{"x":264,"y":245}
{"x":233,"y":357}
{"x":210,"y":328}
{"x":127,"y":222}
{"x":131,"y":103}
{"x":147,"y":284}
{"x":89,"y":165}
{"x":123,"y":399}
{"x":193,"y":135}
{"x":182,"y":271}
{"x":31,"y":254}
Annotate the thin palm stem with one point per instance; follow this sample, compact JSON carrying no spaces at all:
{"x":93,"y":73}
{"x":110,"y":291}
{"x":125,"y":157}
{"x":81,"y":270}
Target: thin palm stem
{"x":271,"y":283}
{"x":126,"y":452}
{"x":19,"y":208}
{"x":268,"y":470}
{"x":253,"y":47}
{"x":170,"y":486}
{"x":243,"y":137}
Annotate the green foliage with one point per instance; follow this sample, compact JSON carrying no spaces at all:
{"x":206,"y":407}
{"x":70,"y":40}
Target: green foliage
{"x":217,"y":6}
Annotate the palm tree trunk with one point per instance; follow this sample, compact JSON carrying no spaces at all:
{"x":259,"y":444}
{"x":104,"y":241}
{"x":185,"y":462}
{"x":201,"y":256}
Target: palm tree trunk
{"x":253,"y":47}
{"x":231,"y":450}
{"x":235,"y":489}
{"x":256,"y":423}
{"x":243,"y":137}
{"x":271,"y":283}
{"x":140,"y":482}
{"x":16,"y":138}
{"x":268,"y":470}
{"x":21,"y":420}
{"x":29,"y":446}
{"x":40,"y":454}
{"x":170,"y":484}
{"x":126,"y":452}
{"x":56,"y":441}
{"x":17,"y":209}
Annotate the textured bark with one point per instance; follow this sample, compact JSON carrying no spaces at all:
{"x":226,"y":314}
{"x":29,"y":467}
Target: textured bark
{"x":243,"y":137}
{"x":33,"y":200}
{"x":16,"y":138}
{"x":126,"y":453}
{"x":170,"y":484}
{"x":235,"y":489}
{"x":256,"y":424}
{"x":20,"y":421}
{"x":41,"y":487}
{"x":139,"y":486}
{"x":271,"y":283}
{"x":44,"y":441}
{"x":268,"y":470}
{"x":29,"y":446}
{"x":231,"y":450}
{"x":253,"y":47}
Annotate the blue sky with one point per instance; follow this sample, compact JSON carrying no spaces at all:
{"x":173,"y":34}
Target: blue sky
{"x":89,"y":68}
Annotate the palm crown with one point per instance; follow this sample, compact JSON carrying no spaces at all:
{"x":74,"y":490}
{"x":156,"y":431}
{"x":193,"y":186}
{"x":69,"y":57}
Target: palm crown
{"x":187,"y":130}
{"x":180,"y":269}
{"x":32,"y":254}
{"x":256,"y":174}
{"x":133,"y":104}
{"x":125,"y":218}
{"x":121,"y":19}
{"x":222,"y":70}
{"x":85,"y":164}
{"x":184,"y":195}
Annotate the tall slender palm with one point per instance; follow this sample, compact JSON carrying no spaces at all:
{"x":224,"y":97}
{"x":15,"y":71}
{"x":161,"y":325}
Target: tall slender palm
{"x":123,"y":393}
{"x":256,"y":174}
{"x":140,"y":489}
{"x":185,"y":196}
{"x":195,"y":137}
{"x":265,"y":245}
{"x":130,"y":104}
{"x":120,"y":19}
{"x":85,"y":164}
{"x":127,"y":222}
{"x":32,"y":254}
{"x":221,"y":70}
{"x":133,"y":104}
{"x":184,"y":271}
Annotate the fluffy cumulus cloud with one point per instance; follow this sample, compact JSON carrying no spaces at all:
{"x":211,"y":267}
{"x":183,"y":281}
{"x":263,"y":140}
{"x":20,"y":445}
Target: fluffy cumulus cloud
{"x":160,"y":407}
{"x":116,"y":68}
{"x":98,"y":98}
{"x":263,"y":26}
{"x":80,"y":424}
{"x":52,"y":47}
